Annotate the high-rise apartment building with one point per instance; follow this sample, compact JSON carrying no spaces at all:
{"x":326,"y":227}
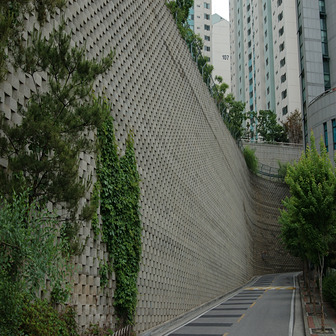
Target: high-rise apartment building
{"x":264,"y":55}
{"x":220,"y":48}
{"x":317,"y":50}
{"x":200,"y":22}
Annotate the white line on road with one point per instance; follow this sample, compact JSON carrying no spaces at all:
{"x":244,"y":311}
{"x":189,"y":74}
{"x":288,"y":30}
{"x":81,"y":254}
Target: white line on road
{"x":291,"y":320}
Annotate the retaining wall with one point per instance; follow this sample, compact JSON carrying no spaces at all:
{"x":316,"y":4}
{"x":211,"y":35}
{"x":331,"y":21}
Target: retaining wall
{"x":205,"y":219}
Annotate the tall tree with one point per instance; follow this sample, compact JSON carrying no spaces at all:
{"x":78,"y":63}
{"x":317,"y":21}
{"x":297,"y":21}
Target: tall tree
{"x":308,"y":219}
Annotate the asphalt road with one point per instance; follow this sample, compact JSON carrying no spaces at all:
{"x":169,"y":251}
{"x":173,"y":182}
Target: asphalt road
{"x":265,"y":307}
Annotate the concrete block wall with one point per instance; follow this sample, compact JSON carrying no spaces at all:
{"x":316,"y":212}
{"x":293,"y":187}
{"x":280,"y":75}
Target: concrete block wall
{"x":202,"y":234}
{"x":272,"y":154}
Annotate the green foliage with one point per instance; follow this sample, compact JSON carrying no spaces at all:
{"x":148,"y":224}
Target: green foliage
{"x":40,"y":318}
{"x":283,"y":169}
{"x":105,"y":271}
{"x":89,"y":212}
{"x":12,"y":25}
{"x":329,"y":288}
{"x":180,"y":11}
{"x":234,"y":115}
{"x":232,"y":111}
{"x":251,"y":159}
{"x":308,"y":228}
{"x":268,"y":127}
{"x":95,"y":330}
{"x":120,"y":194}
{"x":43,"y":151}
{"x":30,"y":251}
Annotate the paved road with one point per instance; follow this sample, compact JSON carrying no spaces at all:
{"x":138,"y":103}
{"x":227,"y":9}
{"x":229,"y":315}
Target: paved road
{"x":265,"y":307}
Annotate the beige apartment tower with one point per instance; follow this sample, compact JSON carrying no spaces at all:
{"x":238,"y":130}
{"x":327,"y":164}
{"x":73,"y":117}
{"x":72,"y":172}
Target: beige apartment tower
{"x":200,"y":22}
{"x":264,"y":55}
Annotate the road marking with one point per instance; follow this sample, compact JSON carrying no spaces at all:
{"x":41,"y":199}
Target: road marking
{"x":240,"y":318}
{"x":271,"y":288}
{"x":226,"y":334}
{"x":252,"y":304}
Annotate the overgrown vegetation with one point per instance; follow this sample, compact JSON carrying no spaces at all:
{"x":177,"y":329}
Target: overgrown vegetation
{"x":120,"y":194}
{"x":30,"y":251}
{"x":43,"y":151}
{"x":40,"y":318}
{"x":42,"y":156}
{"x":251,"y":159}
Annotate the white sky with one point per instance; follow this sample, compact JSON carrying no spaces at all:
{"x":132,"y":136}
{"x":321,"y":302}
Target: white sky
{"x":221,"y":7}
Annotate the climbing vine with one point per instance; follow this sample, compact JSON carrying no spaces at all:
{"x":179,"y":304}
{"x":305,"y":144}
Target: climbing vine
{"x":121,"y":224}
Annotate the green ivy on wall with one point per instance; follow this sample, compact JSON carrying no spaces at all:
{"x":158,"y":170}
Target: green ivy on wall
{"x":121,"y":225}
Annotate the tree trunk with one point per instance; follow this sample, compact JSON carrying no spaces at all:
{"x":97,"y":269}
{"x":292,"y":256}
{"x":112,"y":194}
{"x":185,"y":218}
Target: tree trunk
{"x":321,"y":260}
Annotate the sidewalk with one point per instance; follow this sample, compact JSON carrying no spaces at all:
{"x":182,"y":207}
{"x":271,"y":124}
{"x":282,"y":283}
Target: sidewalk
{"x":312,"y":322}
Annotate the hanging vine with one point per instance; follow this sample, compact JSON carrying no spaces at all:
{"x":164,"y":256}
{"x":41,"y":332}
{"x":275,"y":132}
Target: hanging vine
{"x":121,"y":225}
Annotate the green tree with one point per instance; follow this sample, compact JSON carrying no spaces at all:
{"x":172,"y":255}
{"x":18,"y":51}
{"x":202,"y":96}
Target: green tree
{"x":308,"y":229}
{"x":234,"y":115}
{"x":268,"y":127}
{"x":45,"y":147}
{"x":29,"y":252}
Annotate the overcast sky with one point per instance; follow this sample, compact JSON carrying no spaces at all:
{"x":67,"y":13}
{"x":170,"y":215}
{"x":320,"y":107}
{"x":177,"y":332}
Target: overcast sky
{"x":221,"y":7}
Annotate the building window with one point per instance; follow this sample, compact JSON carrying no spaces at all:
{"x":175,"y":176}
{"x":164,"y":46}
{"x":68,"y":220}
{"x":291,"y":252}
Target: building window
{"x":325,"y":132}
{"x":206,"y":16}
{"x":266,"y":61}
{"x":282,"y":62}
{"x":268,"y":90}
{"x":284,"y":94}
{"x":206,"y":38}
{"x":249,"y":31}
{"x":266,"y":47}
{"x":284,"y":110}
{"x":206,"y":27}
{"x":267,"y":76}
{"x":283,"y":78}
{"x":249,"y":19}
{"x":248,"y":7}
{"x":333,"y":122}
{"x":279,"y":2}
{"x":249,"y":44}
{"x":206,"y":48}
{"x":206,"y":5}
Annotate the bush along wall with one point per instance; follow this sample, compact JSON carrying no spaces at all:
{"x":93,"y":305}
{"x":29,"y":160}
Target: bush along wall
{"x":121,"y":226}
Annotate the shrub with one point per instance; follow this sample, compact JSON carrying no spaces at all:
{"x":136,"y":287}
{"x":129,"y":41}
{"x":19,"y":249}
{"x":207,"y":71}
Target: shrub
{"x":39,"y":318}
{"x":251,"y":159}
{"x":30,"y":252}
{"x":329,"y":288}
